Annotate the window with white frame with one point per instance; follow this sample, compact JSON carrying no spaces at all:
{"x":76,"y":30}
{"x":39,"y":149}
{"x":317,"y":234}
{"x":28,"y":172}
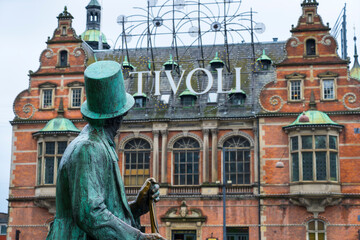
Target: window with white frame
{"x":76,"y":97}
{"x":314,"y":157}
{"x":328,"y":87}
{"x":316,"y":230}
{"x":237,"y":160}
{"x":186,"y":161}
{"x":137,"y":162}
{"x":49,"y":157}
{"x":295,"y":90}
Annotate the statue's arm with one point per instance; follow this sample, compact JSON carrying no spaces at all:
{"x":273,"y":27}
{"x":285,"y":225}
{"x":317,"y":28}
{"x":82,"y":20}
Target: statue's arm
{"x":87,"y":189}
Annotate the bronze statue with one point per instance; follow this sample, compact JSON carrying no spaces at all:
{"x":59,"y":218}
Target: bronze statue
{"x":90,"y":193}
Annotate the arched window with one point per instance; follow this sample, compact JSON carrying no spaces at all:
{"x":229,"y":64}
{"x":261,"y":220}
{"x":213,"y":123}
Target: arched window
{"x":310,"y":47}
{"x":96,"y":17}
{"x":237,"y":160}
{"x":316,"y":230}
{"x":63,"y":58}
{"x":137,"y":162}
{"x":186,"y":161}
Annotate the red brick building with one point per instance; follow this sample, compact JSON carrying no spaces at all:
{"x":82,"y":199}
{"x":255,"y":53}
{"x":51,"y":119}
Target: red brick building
{"x":286,"y":143}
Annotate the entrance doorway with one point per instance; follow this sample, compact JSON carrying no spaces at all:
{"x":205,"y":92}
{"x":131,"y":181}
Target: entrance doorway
{"x":236,"y":233}
{"x":183,"y":235}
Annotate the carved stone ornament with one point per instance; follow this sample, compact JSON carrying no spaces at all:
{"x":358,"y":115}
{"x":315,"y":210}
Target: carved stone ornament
{"x":184,"y":214}
{"x":315,"y":205}
{"x":49,"y":204}
{"x":326,"y":40}
{"x":350,"y":98}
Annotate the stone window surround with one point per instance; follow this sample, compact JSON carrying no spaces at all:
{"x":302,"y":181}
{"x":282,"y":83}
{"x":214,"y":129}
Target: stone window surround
{"x":312,"y":132}
{"x":295,"y":77}
{"x":43,"y":140}
{"x":328,"y":76}
{"x":126,"y":150}
{"x":47,"y":86}
{"x":305,"y":47}
{"x":74,"y":85}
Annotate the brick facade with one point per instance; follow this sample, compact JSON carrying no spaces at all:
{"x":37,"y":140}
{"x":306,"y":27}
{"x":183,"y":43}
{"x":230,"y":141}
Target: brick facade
{"x":266,"y":200}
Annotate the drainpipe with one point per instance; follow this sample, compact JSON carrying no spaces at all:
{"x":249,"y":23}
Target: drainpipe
{"x":259,"y":177}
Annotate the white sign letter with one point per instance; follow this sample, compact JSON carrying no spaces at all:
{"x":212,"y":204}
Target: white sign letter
{"x":157,"y":83}
{"x":140,"y":81}
{"x":238,"y":80}
{"x":210,"y":82}
{"x":171,"y":80}
{"x":220,"y":81}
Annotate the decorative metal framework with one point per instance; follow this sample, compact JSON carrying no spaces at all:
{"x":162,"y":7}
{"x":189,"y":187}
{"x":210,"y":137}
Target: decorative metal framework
{"x":189,"y":24}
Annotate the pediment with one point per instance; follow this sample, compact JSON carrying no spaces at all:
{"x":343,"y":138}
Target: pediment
{"x":328,"y":74}
{"x":295,"y":76}
{"x":183,"y":214}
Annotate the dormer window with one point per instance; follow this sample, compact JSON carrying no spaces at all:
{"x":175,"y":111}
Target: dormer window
{"x":170,"y":64}
{"x":216,"y":63}
{"x":140,"y":100}
{"x":188,"y":98}
{"x":63,"y":58}
{"x":237,"y":98}
{"x":310,"y":47}
{"x":264,"y":62}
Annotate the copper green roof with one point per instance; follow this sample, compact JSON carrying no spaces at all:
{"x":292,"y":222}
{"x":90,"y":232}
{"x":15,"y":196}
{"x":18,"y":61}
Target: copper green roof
{"x":93,"y":3}
{"x":59,"y":124}
{"x":216,"y":59}
{"x":139,"y":95}
{"x":126,"y":63}
{"x":316,"y":118}
{"x":187,"y":92}
{"x":170,"y":61}
{"x":92,"y":35}
{"x":233,"y":91}
{"x":264,"y":57}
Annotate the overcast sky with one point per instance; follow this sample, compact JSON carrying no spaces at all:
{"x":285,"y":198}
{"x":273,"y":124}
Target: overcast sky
{"x":25,"y":26}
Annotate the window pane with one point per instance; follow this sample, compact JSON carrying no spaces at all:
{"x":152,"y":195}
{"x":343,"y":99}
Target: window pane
{"x":295,"y":90}
{"x":3,"y":229}
{"x":47,"y":98}
{"x":49,"y":170}
{"x":39,"y":171}
{"x":332,"y":142}
{"x":320,"y":142}
{"x":333,"y":166}
{"x":40,"y":149}
{"x":321,"y":165}
{"x":295,"y":166}
{"x":321,"y":236}
{"x":306,"y":142}
{"x":312,"y":236}
{"x":50,"y":148}
{"x":61,"y":147}
{"x":320,"y":225}
{"x":294,"y":143}
{"x":76,"y":97}
{"x":328,"y":89}
{"x":307,"y":161}
{"x":311,"y":225}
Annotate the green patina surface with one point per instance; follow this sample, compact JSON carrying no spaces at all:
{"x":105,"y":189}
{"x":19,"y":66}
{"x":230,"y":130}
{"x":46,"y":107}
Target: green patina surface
{"x":216,"y":59}
{"x":92,"y":35}
{"x":60,"y":124}
{"x":233,"y":91}
{"x":187,"y":93}
{"x":315,"y":117}
{"x":264,"y":57}
{"x":93,"y":3}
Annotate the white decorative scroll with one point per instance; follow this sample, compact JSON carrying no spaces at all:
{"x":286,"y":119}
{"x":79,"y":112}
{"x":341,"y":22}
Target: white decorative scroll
{"x":351,"y":98}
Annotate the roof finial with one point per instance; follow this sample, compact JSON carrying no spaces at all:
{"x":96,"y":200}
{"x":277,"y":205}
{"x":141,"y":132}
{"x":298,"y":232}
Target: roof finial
{"x":355,"y":51}
{"x":312,"y":103}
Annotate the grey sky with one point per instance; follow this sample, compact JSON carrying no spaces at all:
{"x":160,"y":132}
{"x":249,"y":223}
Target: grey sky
{"x":25,"y":26}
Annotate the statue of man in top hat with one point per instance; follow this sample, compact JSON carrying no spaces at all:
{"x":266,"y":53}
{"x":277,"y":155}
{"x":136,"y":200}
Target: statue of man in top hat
{"x":90,"y":194}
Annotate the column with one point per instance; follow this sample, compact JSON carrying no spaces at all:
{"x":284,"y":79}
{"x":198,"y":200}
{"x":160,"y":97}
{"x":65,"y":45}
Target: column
{"x":214,"y":162}
{"x":156,"y":155}
{"x":206,"y":156}
{"x":164,"y":134}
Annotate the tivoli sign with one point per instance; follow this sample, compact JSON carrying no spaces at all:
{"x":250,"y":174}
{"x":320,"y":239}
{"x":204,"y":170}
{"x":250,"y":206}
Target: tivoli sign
{"x":175,"y":86}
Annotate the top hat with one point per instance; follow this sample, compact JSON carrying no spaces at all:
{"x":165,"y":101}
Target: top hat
{"x":105,"y":91}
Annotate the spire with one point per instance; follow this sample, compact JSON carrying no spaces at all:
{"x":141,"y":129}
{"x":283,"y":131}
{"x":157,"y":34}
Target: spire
{"x":355,"y":71}
{"x":309,"y":3}
{"x":65,"y":14}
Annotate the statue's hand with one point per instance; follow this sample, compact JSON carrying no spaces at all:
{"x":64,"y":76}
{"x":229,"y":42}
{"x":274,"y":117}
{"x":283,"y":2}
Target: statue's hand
{"x":152,"y":236}
{"x":149,"y":191}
